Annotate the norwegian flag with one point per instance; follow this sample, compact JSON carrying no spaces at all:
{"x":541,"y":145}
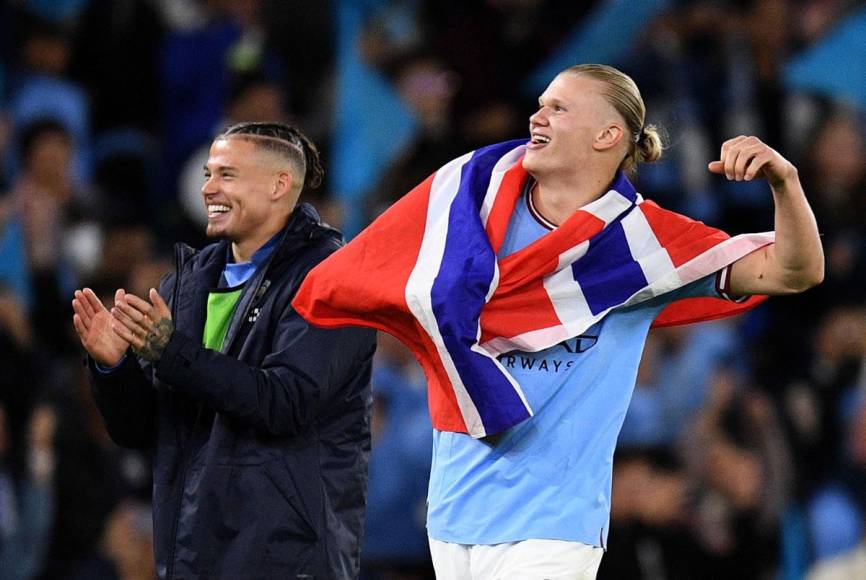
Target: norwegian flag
{"x":427,"y":272}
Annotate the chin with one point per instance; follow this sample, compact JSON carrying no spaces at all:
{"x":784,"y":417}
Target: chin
{"x":213,"y":232}
{"x":532,"y":166}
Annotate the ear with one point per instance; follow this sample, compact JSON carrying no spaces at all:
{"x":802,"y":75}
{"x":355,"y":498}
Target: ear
{"x":282,"y":185}
{"x":608,"y":138}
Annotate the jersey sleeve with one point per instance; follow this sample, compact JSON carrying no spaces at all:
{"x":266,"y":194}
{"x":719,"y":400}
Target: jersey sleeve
{"x":707,"y":298}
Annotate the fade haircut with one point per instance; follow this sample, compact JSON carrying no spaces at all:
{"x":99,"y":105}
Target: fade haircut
{"x":288,"y":143}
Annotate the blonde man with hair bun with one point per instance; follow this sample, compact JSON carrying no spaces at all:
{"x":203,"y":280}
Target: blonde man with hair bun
{"x":542,"y":257}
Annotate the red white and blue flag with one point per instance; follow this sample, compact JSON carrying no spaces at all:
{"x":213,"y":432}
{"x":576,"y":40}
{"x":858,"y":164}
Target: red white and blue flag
{"x":427,"y":272}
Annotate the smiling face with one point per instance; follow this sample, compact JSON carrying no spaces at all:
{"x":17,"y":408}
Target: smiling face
{"x":245,"y":192}
{"x":572,"y":117}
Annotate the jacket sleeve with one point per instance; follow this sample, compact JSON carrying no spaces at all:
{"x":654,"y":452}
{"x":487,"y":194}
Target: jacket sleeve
{"x":307,"y":369}
{"x":127,"y":402}
{"x":126,"y":397}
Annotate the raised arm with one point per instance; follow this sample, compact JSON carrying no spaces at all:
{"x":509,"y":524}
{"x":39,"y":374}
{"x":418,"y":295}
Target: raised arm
{"x":796,"y":261}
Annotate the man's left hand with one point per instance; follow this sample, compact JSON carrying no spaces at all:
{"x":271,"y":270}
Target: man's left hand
{"x":743,"y":158}
{"x":146,"y":326}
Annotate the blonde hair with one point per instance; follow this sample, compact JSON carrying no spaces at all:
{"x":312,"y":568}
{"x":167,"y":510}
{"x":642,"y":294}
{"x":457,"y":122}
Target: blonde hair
{"x":645,"y":144}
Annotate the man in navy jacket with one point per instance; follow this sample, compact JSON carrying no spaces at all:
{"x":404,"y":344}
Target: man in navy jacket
{"x":259,"y":423}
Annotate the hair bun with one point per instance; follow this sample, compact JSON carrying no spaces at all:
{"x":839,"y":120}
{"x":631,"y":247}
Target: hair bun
{"x":649,"y":144}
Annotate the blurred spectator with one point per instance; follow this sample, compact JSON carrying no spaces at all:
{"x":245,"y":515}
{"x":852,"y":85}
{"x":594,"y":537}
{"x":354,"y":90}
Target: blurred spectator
{"x":395,"y":537}
{"x":40,"y":204}
{"x":815,"y":404}
{"x":837,"y":510}
{"x":428,"y":87}
{"x":196,"y":67}
{"x":27,"y":506}
{"x":650,"y":535}
{"x":735,"y":450}
{"x":41,"y":89}
{"x":88,"y":478}
{"x":126,"y":550}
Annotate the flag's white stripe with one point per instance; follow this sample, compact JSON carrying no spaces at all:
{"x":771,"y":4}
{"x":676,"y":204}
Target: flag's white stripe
{"x":721,"y":255}
{"x":528,"y":341}
{"x":443,"y":190}
{"x":653,"y":259}
{"x":496,"y":177}
{"x":566,"y":297}
{"x":571,"y":255}
{"x":608,"y":207}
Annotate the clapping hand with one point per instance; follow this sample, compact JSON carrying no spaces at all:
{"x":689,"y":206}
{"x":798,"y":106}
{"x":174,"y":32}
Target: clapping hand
{"x":146,"y":326}
{"x":93,"y":323}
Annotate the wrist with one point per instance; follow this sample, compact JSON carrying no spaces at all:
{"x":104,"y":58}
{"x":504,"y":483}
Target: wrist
{"x":787,"y":183}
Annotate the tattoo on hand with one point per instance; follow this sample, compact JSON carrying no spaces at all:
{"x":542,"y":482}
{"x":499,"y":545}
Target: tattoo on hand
{"x":156,"y":340}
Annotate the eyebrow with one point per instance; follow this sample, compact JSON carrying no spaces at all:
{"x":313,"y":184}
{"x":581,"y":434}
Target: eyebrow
{"x":551,"y":100}
{"x":220,"y":168}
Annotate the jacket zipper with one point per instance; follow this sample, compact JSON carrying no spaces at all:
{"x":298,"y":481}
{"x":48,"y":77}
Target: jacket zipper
{"x":262,"y":285}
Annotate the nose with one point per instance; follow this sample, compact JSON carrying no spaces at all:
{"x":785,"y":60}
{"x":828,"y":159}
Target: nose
{"x":538,"y":118}
{"x":208,"y":185}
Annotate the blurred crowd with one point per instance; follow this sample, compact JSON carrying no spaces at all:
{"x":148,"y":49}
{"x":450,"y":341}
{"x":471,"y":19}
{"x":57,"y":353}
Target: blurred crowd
{"x":744,"y":451}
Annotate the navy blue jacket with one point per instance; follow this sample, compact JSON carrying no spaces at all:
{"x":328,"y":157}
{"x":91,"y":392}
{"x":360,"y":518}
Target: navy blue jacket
{"x":260,"y":451}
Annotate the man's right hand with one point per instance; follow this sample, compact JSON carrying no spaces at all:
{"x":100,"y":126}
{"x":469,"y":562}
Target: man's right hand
{"x":92,"y":322}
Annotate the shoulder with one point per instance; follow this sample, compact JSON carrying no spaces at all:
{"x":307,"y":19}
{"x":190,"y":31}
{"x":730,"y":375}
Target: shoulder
{"x":308,"y":240}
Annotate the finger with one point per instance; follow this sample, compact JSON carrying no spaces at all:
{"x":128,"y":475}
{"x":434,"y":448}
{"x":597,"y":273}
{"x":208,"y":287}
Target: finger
{"x":743,"y":159}
{"x":93,"y":301}
{"x":123,"y":332}
{"x":716,"y":167}
{"x":139,"y":317}
{"x":134,"y":327}
{"x":84,"y":301}
{"x":730,"y":161}
{"x":728,"y":154}
{"x":120,"y":320}
{"x":79,"y":313}
{"x":159,"y":304}
{"x":730,"y":144}
{"x":141,"y":305}
{"x":757,"y":164}
{"x":80,"y":328}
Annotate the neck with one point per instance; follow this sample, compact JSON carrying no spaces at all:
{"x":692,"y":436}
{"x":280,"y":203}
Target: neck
{"x":557,"y":199}
{"x":243,"y":250}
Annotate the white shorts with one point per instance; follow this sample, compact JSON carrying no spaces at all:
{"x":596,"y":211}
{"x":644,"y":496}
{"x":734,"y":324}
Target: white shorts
{"x":526,"y":560}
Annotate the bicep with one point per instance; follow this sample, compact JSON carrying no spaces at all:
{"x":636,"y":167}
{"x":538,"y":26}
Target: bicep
{"x":759,"y":273}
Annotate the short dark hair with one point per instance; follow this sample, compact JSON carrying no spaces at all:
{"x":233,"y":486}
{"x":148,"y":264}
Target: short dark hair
{"x":37,"y":128}
{"x":286,"y":141}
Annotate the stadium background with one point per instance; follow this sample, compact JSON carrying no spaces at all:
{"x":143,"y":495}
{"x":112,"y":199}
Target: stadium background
{"x":744,"y":452}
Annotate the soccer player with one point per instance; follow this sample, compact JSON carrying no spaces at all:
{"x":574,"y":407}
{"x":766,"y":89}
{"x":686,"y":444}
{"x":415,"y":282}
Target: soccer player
{"x":529,"y":276}
{"x":259,"y":424}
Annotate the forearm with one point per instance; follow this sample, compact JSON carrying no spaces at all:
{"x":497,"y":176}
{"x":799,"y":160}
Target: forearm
{"x":127,"y":402}
{"x":282,"y":396}
{"x":795,"y":262}
{"x":264,"y":400}
{"x":799,"y":257}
